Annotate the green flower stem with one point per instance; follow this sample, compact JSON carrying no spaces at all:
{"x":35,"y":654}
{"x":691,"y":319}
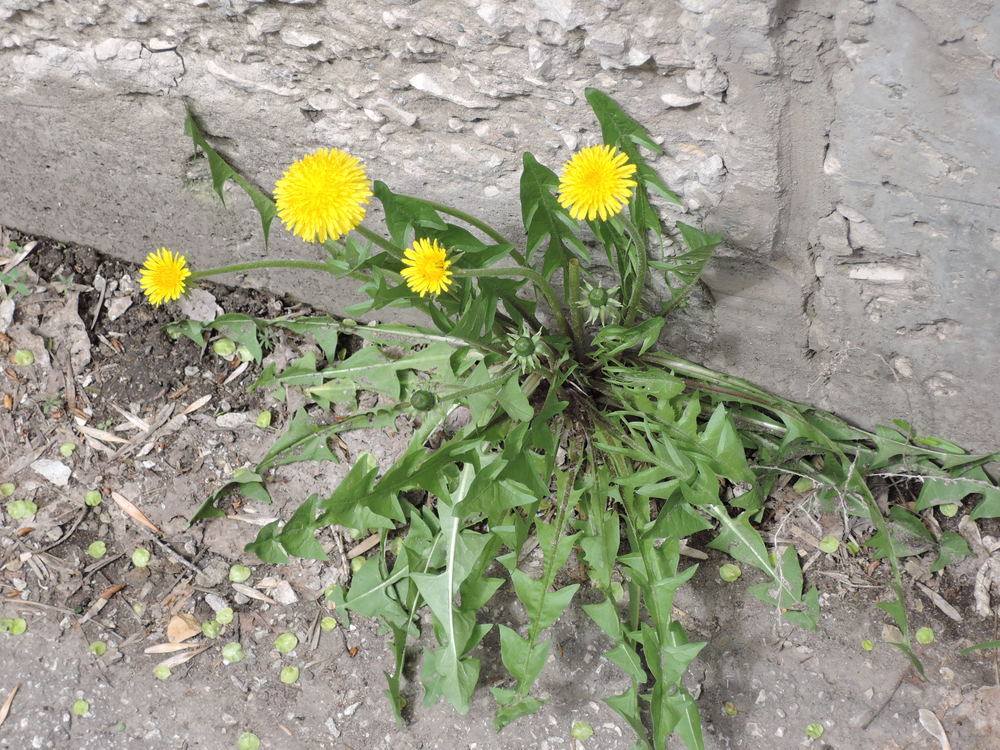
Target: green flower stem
{"x":499,"y":380}
{"x":540,"y":284}
{"x":573,"y":300}
{"x":473,"y":221}
{"x":390,"y":247}
{"x":255,"y":264}
{"x":639,"y":240}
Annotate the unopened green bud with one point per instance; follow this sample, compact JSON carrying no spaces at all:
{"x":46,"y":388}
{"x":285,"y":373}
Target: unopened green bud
{"x":597,"y":297}
{"x":423,"y":400}
{"x":524,"y":346}
{"x":23,"y":358}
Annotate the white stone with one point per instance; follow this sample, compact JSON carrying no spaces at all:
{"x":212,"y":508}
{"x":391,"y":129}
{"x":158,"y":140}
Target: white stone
{"x":638,"y":57}
{"x":198,"y":305}
{"x":877,"y":272}
{"x":302,"y":39}
{"x":609,"y":40}
{"x":331,"y":727}
{"x":423,"y":82}
{"x":680,"y":100}
{"x":540,"y":59}
{"x":108,"y":49}
{"x":392,"y":112}
{"x":117,"y":307}
{"x":232,"y":420}
{"x":851,"y":214}
{"x":6,"y":314}
{"x":55,"y":471}
{"x":566,"y":13}
{"x":267,"y":23}
{"x":284,"y":593}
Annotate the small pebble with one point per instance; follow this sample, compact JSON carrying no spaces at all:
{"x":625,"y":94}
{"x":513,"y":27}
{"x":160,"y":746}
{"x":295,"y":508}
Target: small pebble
{"x":55,"y":471}
{"x":331,"y":725}
{"x":191,"y":371}
{"x":231,"y":420}
{"x":284,"y":594}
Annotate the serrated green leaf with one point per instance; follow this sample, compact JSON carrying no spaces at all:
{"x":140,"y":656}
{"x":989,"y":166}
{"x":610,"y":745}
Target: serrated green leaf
{"x":626,"y":705}
{"x":951,"y":547}
{"x":524,"y":663}
{"x":514,"y":402}
{"x":392,"y":681}
{"x":404,"y":215}
{"x":601,"y":549}
{"x":688,"y":725}
{"x":454,"y":674}
{"x":297,"y":535}
{"x":325,"y":331}
{"x":721,"y":440}
{"x":348,"y":505}
{"x":544,"y":218}
{"x":221,"y":172}
{"x":908,"y":533}
{"x":740,"y":540}
{"x":681,"y":272}
{"x":302,"y":441}
{"x":625,"y":657}
{"x":605,"y":614}
{"x":545,"y":606}
{"x":512,"y":707}
{"x":236,"y":483}
{"x":676,"y":519}
{"x":242,"y":329}
{"x":807,"y":616}
{"x":614,"y":339}
{"x":193,"y":329}
{"x":266,"y":546}
{"x":373,"y":595}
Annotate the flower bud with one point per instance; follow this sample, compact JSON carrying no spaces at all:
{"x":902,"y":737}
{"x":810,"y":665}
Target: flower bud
{"x":597,"y":297}
{"x":423,"y":400}
{"x":524,"y":346}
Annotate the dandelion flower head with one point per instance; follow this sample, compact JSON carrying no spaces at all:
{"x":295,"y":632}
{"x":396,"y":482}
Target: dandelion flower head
{"x":163,"y":276}
{"x":427,"y":268}
{"x":322,"y":195}
{"x":596,"y":182}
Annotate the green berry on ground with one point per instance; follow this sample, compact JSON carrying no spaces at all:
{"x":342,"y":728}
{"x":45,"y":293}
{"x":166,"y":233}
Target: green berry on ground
{"x":730,"y":572}
{"x":286,"y":642}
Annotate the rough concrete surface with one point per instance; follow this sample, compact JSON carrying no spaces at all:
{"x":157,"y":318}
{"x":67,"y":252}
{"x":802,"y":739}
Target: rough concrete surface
{"x":846,"y":149}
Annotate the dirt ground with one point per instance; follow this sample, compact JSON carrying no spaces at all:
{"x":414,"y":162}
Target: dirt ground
{"x":102,"y":362}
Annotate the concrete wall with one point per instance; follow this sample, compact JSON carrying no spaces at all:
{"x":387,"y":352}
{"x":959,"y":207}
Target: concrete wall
{"x":846,"y":149}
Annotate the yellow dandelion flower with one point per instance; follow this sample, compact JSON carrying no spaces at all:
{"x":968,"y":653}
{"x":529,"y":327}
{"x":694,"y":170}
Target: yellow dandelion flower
{"x":321,"y":195}
{"x":427,"y":268}
{"x":596,"y":182}
{"x":163,"y":275}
